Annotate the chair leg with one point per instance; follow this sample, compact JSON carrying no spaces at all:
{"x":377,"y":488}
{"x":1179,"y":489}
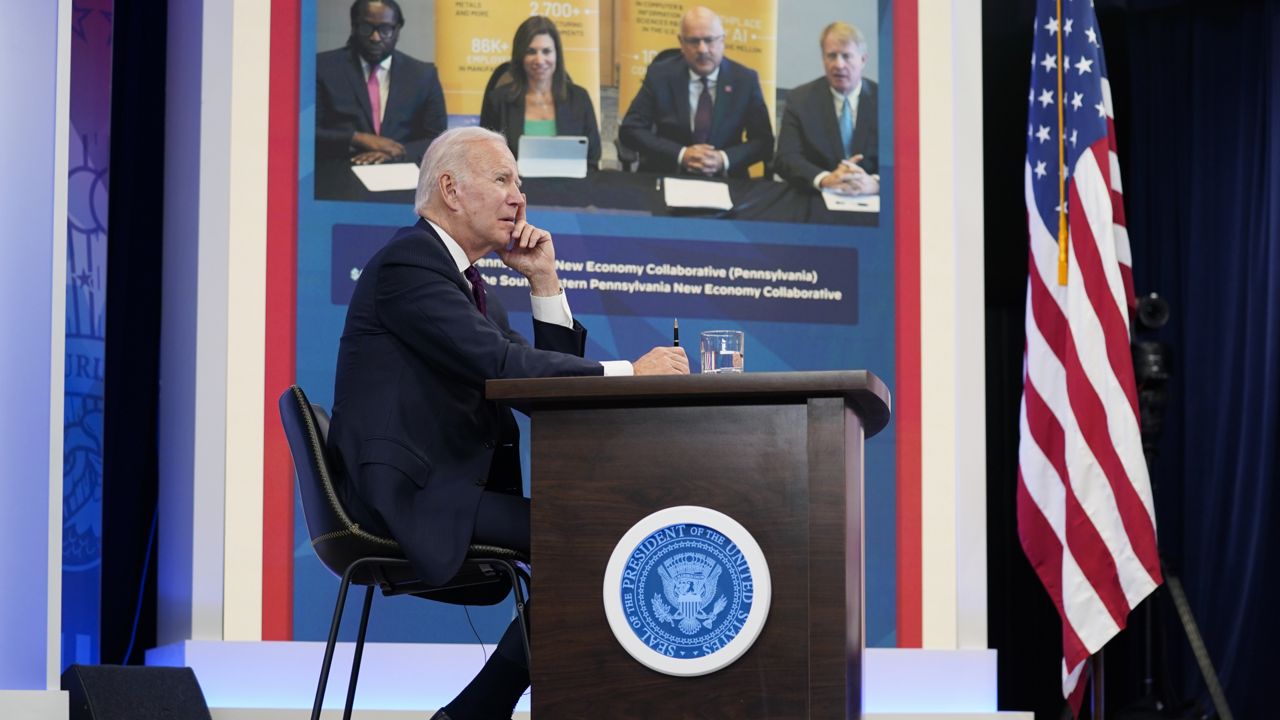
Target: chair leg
{"x":359,"y":653}
{"x":521,"y":600}
{"x":332,"y":643}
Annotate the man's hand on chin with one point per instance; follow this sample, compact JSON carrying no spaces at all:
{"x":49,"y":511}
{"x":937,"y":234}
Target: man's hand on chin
{"x":531,"y":253}
{"x":663,"y":360}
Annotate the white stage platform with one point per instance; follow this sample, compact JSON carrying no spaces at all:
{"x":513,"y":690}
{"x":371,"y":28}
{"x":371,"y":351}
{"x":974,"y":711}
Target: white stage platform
{"x":398,"y":681}
{"x":242,"y":714}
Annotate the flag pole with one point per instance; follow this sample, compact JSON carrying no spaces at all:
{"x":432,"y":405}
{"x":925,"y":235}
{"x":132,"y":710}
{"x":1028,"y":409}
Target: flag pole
{"x":1062,"y":163}
{"x":1098,"y":685}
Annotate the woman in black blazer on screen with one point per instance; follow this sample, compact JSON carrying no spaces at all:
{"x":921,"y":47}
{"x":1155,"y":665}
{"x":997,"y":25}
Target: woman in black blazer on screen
{"x":536,"y":95}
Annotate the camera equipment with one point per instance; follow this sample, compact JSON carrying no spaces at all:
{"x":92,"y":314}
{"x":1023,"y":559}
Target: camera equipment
{"x":1151,"y":371}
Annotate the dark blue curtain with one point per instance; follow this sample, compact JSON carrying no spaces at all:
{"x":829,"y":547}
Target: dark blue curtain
{"x":1197,"y":91}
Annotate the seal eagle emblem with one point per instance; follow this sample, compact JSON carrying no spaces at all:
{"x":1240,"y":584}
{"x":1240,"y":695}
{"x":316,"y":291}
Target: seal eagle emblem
{"x":687,"y":590}
{"x":689,"y":582}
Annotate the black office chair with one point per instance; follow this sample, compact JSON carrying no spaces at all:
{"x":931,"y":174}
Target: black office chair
{"x":359,"y":557}
{"x":628,"y":158}
{"x":495,"y":77}
{"x":664,"y":54}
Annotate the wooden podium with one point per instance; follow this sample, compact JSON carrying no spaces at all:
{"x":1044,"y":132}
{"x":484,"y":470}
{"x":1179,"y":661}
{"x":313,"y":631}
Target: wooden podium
{"x":780,"y":453}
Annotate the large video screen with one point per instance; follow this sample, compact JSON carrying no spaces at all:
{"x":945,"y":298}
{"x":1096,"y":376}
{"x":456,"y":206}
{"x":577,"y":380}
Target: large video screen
{"x":662,"y":206}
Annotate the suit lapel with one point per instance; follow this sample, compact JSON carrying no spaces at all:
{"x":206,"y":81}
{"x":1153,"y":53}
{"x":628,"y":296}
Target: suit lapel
{"x":725,"y":92}
{"x":866,"y":109}
{"x":823,"y":107}
{"x":360,"y":88}
{"x":397,"y":92}
{"x":680,"y":91}
{"x":458,"y":279}
{"x":497,"y":314}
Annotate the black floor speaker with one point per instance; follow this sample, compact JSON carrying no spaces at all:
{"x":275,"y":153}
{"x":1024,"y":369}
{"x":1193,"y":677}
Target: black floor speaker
{"x":133,"y":692}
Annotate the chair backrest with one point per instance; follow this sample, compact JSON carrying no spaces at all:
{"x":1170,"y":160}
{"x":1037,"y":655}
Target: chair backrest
{"x":664,"y":54}
{"x":494,"y":77}
{"x":336,"y":539}
{"x":628,"y":157}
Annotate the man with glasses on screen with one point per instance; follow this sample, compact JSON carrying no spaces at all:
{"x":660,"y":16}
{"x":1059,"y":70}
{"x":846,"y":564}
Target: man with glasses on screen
{"x":828,"y":139}
{"x":699,"y":113}
{"x":374,"y":104}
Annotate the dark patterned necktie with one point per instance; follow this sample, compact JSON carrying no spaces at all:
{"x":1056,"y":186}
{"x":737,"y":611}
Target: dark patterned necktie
{"x":702,"y":118}
{"x":477,"y":289}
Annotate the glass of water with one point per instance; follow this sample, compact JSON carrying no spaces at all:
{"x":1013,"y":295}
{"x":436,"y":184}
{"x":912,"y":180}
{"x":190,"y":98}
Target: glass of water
{"x":722,"y":351}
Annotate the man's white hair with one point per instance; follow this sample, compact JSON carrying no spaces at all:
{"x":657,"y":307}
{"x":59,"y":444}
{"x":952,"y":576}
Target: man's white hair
{"x":449,"y":155}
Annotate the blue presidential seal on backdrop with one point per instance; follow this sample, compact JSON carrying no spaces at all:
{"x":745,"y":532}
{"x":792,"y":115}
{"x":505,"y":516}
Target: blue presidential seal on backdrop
{"x":687,"y":590}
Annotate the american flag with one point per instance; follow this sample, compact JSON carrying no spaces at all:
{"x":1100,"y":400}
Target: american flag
{"x":1085,"y":512}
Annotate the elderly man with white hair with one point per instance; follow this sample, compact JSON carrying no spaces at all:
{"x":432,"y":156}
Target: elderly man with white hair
{"x":420,"y":454}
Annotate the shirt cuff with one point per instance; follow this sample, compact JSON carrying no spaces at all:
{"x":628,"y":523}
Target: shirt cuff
{"x":680,"y":159}
{"x":617,"y":368}
{"x":725,"y":157}
{"x":817,"y":181}
{"x":552,"y":309}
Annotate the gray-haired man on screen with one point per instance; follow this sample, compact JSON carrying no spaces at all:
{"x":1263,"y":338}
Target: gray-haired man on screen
{"x":828,"y":139}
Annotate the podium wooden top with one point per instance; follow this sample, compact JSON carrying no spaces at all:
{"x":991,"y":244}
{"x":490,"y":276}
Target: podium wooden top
{"x":861,"y":390}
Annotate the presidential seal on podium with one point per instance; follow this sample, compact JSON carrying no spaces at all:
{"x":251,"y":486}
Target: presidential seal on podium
{"x":687,"y":591}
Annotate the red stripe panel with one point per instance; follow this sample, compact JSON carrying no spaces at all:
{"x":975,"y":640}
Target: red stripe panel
{"x":1117,"y":211}
{"x":1093,"y":419}
{"x":1045,"y":429}
{"x":1047,"y":314}
{"x":1119,"y":218}
{"x":1076,"y":698}
{"x":1126,"y":277}
{"x":1043,"y":550}
{"x":1083,"y":538}
{"x":1040,"y":544}
{"x":1091,"y":416}
{"x":906,"y":401}
{"x":1101,"y":156}
{"x":1087,"y":546}
{"x":1117,"y":206}
{"x":1115,"y":330}
{"x":282,"y":233}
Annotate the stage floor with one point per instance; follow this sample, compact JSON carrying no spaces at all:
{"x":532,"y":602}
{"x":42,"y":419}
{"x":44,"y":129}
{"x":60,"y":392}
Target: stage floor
{"x":276,"y":680}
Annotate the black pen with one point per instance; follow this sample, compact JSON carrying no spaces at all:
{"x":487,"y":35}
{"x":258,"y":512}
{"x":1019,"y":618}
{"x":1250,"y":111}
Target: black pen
{"x":675,"y":332}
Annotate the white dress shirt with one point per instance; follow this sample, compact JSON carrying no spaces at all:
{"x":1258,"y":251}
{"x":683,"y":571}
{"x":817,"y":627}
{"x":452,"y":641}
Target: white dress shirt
{"x":384,"y":82}
{"x":549,"y":309}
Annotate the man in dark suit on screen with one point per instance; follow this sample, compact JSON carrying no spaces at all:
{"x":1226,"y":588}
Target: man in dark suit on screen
{"x":693,"y":111}
{"x":374,"y":104}
{"x":828,"y":139}
{"x":421,"y":455}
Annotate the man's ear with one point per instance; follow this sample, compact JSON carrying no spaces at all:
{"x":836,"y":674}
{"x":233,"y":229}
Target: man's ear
{"x":448,"y":189}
